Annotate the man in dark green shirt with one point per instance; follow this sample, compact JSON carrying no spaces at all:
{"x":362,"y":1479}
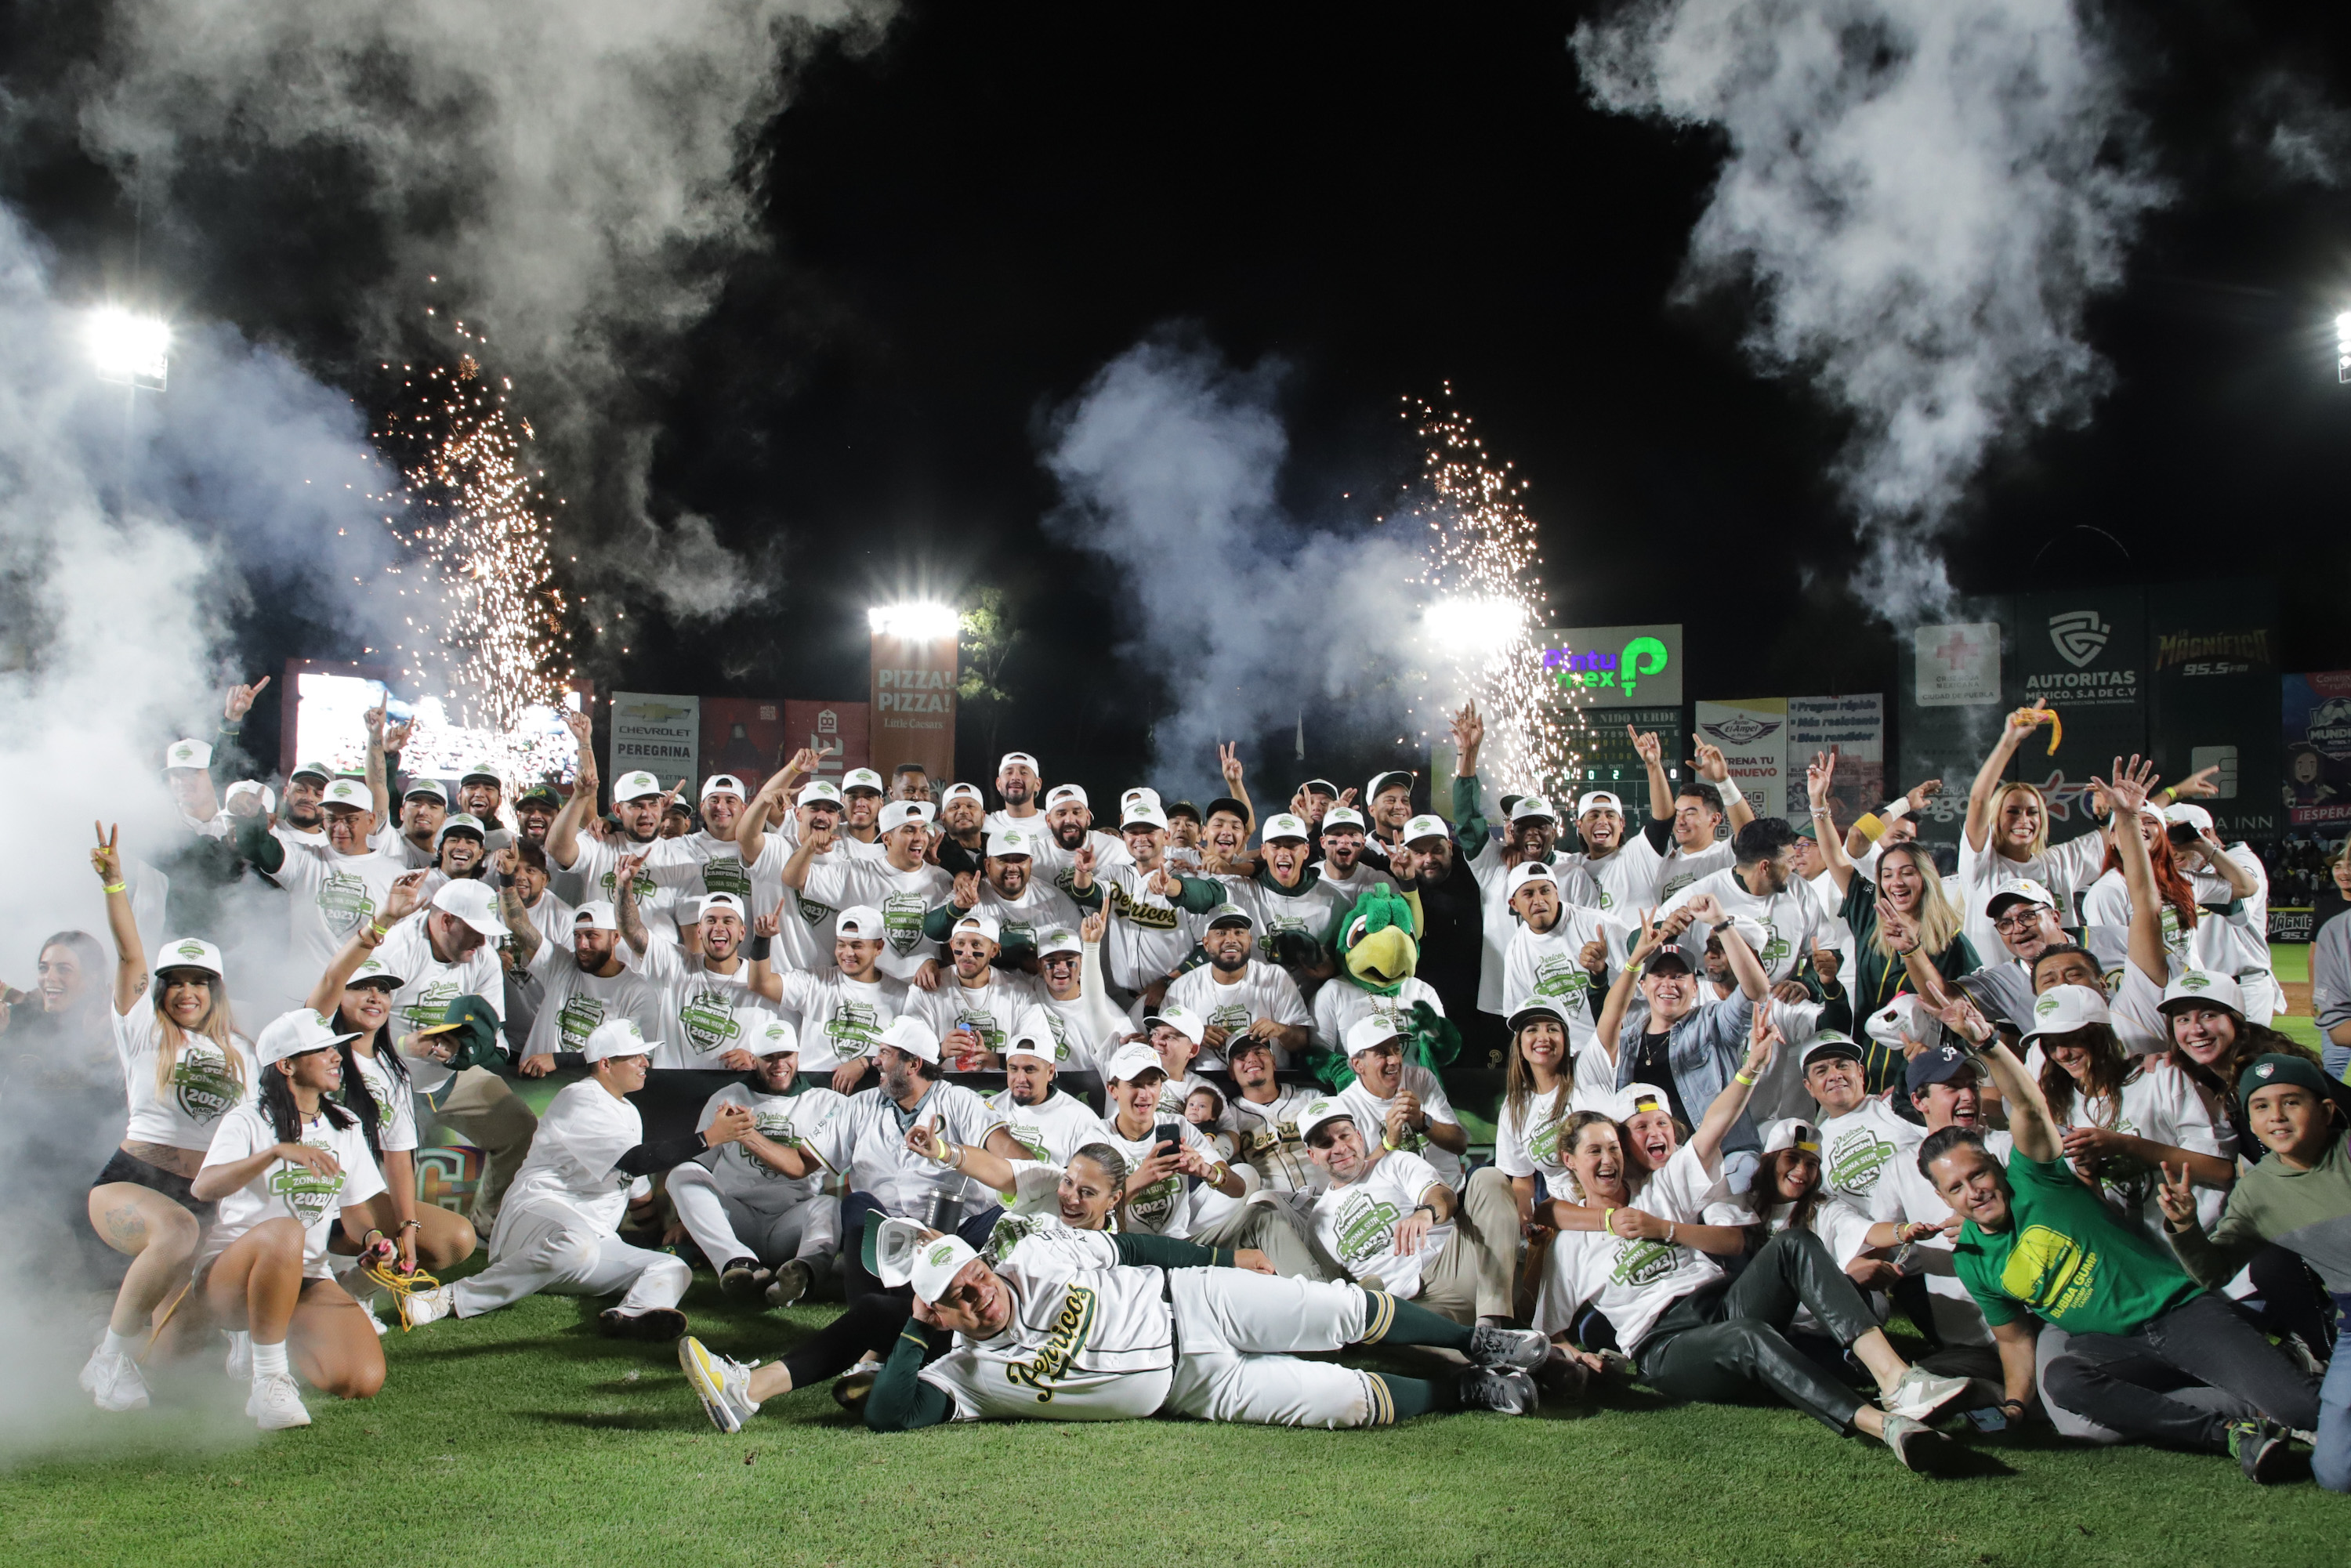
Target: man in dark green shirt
{"x":2038,"y":1243}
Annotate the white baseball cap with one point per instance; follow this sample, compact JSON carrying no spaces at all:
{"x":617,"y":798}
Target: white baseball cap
{"x":912,"y":1036}
{"x":936,"y":1264}
{"x":1326,"y":1109}
{"x":348,"y":792}
{"x":472,"y":903}
{"x":1527,"y":806}
{"x":1228,"y":913}
{"x":980,"y":924}
{"x":1019,"y":759}
{"x":1598,"y":800}
{"x":1526,"y":872}
{"x":2020,"y":889}
{"x":1062,"y":794}
{"x":898,"y":814}
{"x":1791,"y":1133}
{"x":817,"y":789}
{"x":2207,"y":987}
{"x":1896,"y":1021}
{"x":1828,"y":1042}
{"x":318,"y":770}
{"x":1180,"y":1018}
{"x":616,"y":1037}
{"x":862,"y":921}
{"x":1533,"y":1008}
{"x":295,"y":1034}
{"x":1343,"y":817}
{"x":425,"y":789}
{"x":1369,"y":1030}
{"x":269,"y":797}
{"x":488,"y":770}
{"x":1140,"y":792}
{"x":1283,"y":826}
{"x":1141,"y":813}
{"x":597,"y":914}
{"x":1640,"y":1099}
{"x":1006,"y":842}
{"x":188,"y":754}
{"x":723,"y":784}
{"x":189,"y":953}
{"x":712,"y":902}
{"x":765,"y":1034}
{"x":636,"y":786}
{"x":1427,"y":825}
{"x":1059,"y":939}
{"x":1131,"y":1061}
{"x":2187,"y":811}
{"x":962,"y":792}
{"x":1033,"y":1039}
{"x":2062,"y":1009}
{"x":861,"y":778}
{"x":462,"y":822}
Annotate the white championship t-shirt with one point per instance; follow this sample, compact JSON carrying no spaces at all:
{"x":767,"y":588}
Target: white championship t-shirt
{"x":1370,"y":1116}
{"x":1356,"y":1223}
{"x":1262,"y":990}
{"x":574,"y":1163}
{"x":790,"y":1120}
{"x":199,"y":1091}
{"x":840,"y":1019}
{"x":286,"y":1190}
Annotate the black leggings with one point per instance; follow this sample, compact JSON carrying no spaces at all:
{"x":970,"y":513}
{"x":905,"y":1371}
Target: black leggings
{"x":870,"y":1324}
{"x":1719,"y":1344}
{"x":2290,"y":1299}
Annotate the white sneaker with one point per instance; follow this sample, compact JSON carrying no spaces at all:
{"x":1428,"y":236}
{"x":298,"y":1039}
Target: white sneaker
{"x":275,"y":1403}
{"x":113,"y":1381}
{"x":377,"y":1324}
{"x":421,"y":1307}
{"x":724,"y":1386}
{"x":1918,"y":1393}
{"x":240,"y":1357}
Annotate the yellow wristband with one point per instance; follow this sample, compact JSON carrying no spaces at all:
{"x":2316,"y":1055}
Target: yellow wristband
{"x":116,"y":886}
{"x":1870,"y":825}
{"x":1741,"y":1078}
{"x":1604,"y":1215}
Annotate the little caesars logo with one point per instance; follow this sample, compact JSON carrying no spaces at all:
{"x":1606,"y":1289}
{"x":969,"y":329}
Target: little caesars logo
{"x":1072,"y":1326}
{"x":1367,"y":1227}
{"x":307,"y":1192}
{"x":202,"y":1085}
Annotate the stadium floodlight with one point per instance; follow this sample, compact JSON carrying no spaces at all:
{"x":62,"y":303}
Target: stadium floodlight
{"x":2343,"y":347}
{"x":924,"y":621}
{"x":131,"y":350}
{"x":1474,"y":625}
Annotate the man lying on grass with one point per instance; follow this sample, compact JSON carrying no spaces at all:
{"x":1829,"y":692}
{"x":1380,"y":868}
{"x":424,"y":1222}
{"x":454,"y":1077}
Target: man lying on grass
{"x":1074,"y":1325}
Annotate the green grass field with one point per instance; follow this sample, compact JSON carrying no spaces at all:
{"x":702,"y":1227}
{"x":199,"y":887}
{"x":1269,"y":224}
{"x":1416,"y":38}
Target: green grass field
{"x":525,"y":1437}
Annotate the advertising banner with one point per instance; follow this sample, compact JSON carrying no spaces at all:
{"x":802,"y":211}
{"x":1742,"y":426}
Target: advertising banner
{"x":659,"y":733}
{"x":1950,"y":694}
{"x":2214,"y":657}
{"x":2084,"y":652}
{"x":1616,"y":667}
{"x":2317,"y":794}
{"x":913,"y":712}
{"x":1753,"y":735}
{"x":1854,"y":729}
{"x":1610,"y":762}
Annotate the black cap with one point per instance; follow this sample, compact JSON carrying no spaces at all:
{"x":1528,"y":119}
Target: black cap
{"x":1175,"y":808}
{"x":1667,"y":958}
{"x":1221,"y":803}
{"x":540,"y":794}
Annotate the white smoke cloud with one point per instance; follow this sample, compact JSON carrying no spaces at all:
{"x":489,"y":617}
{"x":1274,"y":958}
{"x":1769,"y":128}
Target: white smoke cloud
{"x":1925,"y":196}
{"x":1168,"y":463}
{"x":583,"y":169}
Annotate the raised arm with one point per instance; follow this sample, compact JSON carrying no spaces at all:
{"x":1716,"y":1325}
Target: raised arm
{"x":984,"y":1166}
{"x":1712,"y":767}
{"x":1229,"y":763}
{"x":130,"y":957}
{"x":1763,"y":1039}
{"x":625,"y":903}
{"x":751,"y":822}
{"x":1745,"y":967}
{"x":399,"y":904}
{"x":1987,"y":776}
{"x":2029,"y":1122}
{"x":1628,"y":979}
{"x":1469,"y":804}
{"x":563,"y":833}
{"x":1819,"y":774}
{"x":519,"y":924}
{"x":2128,"y":794}
{"x":1652,"y":753}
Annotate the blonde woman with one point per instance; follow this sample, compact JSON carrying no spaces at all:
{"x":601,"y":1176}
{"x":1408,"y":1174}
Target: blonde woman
{"x":183,"y":1068}
{"x":2007,"y":836}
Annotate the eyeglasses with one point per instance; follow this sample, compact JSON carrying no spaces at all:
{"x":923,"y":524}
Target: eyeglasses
{"x":2017,"y":922}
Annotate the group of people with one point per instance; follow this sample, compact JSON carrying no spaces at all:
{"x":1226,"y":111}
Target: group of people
{"x":1765,"y":1085}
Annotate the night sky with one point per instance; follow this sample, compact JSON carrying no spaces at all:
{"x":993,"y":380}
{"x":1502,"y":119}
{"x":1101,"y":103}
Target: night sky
{"x":969,"y":221}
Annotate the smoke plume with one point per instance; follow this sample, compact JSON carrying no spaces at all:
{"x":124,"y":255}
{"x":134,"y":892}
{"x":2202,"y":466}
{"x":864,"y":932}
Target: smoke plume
{"x":1924,"y":197}
{"x":579,"y":173}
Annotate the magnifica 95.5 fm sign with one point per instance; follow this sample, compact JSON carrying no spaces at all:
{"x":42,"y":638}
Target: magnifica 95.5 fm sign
{"x":1616,"y":666}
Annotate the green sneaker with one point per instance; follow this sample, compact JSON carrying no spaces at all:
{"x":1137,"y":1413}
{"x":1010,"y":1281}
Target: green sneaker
{"x":2260,"y":1450}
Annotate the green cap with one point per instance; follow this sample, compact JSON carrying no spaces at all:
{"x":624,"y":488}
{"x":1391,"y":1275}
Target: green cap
{"x":2263,"y":1072}
{"x":472,"y":1025}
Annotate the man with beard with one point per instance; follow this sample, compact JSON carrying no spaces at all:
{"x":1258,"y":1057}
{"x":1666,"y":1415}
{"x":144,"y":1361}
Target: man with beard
{"x":1007,"y":892}
{"x":1452,"y":936}
{"x":1287,"y":901}
{"x":481,"y":790}
{"x":824,"y":869}
{"x":582,"y":984}
{"x":861,"y":813}
{"x":639,"y":803}
{"x":1068,"y":828}
{"x":909,"y":781}
{"x":1387,"y":800}
{"x":705,"y":992}
{"x":535,"y":812}
{"x":1341,"y":837}
{"x":708,"y":860}
{"x":336,"y":884}
{"x":1781,"y":915}
{"x":844,"y":1007}
{"x":299,"y":820}
{"x":1241,"y":996}
{"x":961,"y":843}
{"x":1159,"y":909}
{"x":424,"y":807}
{"x":1018,"y":779}
{"x":761,"y":1229}
{"x":804,"y":926}
{"x":1049,"y":1124}
{"x":975,"y":1009}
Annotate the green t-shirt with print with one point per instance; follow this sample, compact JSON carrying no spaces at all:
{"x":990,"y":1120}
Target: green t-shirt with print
{"x":2066,"y":1258}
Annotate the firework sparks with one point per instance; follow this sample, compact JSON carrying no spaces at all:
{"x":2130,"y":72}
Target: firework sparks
{"x":1481,"y":631}
{"x":477,"y":529}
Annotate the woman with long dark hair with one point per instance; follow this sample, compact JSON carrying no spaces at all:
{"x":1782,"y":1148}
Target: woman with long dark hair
{"x":356,"y":994}
{"x":184,"y":1069}
{"x":284,"y":1168}
{"x":60,"y":1099}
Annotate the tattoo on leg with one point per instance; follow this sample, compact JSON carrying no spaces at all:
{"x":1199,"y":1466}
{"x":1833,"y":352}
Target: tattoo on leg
{"x":125,"y":1228}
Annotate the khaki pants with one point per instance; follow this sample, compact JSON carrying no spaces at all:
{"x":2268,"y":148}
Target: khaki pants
{"x":480,"y":1107}
{"x":1274,"y":1231}
{"x":1471,"y":1277}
